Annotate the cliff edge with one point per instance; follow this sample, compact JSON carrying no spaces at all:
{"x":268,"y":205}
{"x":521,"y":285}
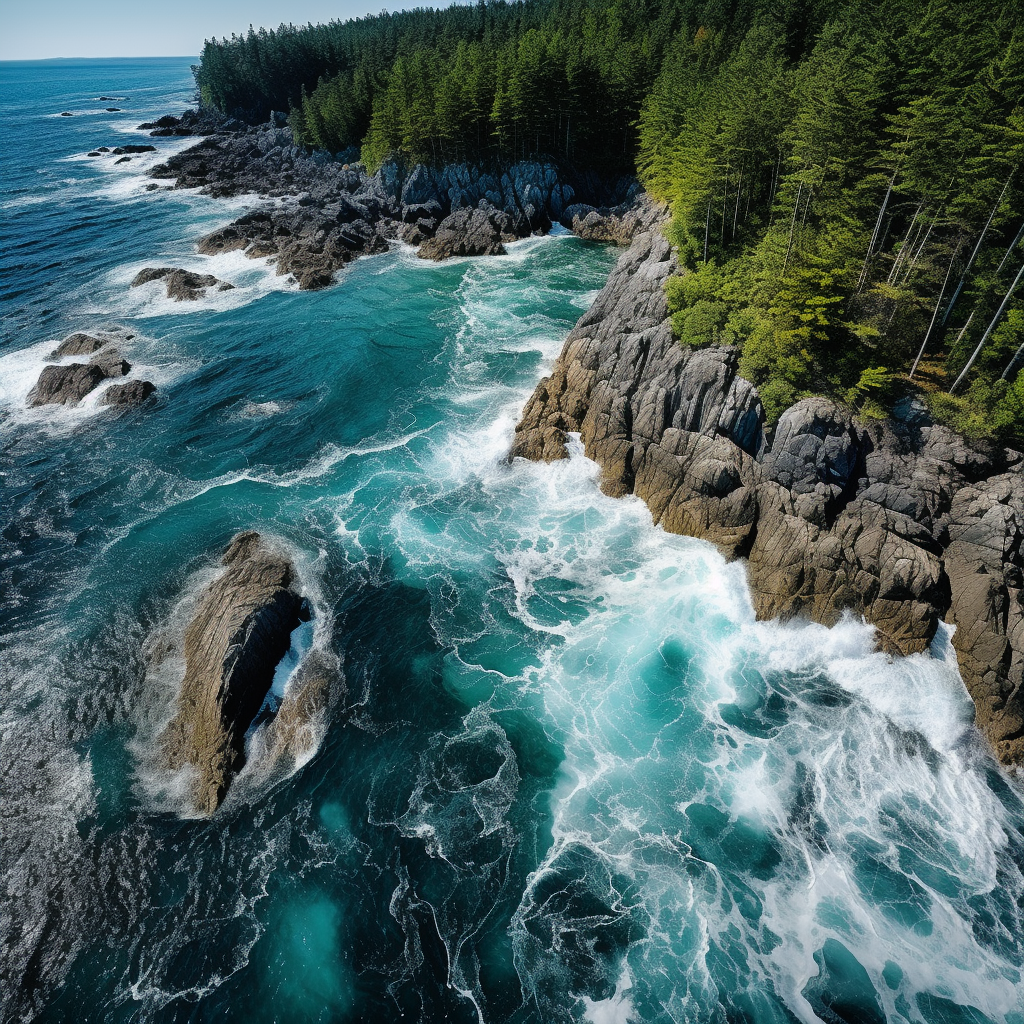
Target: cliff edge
{"x":902,"y":521}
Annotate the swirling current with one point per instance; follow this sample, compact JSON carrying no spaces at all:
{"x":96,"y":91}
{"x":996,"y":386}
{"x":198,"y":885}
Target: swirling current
{"x":570,"y":777}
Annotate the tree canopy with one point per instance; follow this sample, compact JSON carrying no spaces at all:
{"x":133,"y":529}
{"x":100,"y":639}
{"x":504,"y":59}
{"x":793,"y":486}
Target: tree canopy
{"x":845,"y":176}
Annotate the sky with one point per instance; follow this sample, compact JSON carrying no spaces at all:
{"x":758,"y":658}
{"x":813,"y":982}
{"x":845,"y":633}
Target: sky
{"x":35,"y":29}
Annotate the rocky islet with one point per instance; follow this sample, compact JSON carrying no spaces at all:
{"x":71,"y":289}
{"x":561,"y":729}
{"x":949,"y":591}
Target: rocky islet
{"x":241,"y":629}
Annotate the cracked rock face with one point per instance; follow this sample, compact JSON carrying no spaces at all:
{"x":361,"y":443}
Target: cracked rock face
{"x":902,"y":522}
{"x":241,"y":630}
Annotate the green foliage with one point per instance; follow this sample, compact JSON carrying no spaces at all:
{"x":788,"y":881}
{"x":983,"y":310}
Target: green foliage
{"x":846,"y":181}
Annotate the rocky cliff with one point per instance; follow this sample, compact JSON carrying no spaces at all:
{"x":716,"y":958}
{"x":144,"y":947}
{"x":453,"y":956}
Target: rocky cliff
{"x":902,"y":522}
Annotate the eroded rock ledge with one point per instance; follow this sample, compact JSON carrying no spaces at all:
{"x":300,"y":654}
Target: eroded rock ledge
{"x":902,"y":522}
{"x":240,"y":632}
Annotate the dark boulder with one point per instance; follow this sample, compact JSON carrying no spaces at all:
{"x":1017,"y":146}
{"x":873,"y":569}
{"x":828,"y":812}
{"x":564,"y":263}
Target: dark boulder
{"x":113,"y":110}
{"x":132,"y":392}
{"x":134,"y":148}
{"x":240,"y":631}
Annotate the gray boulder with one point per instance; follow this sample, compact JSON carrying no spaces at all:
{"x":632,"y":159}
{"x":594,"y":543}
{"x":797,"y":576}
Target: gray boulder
{"x":466,"y":232}
{"x":66,"y":385}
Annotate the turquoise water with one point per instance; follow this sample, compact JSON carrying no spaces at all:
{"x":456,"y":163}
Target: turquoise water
{"x":572,"y":779}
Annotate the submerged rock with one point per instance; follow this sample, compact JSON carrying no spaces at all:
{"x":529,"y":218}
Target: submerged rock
{"x":182,"y":285}
{"x":241,"y":630}
{"x":903,"y":522}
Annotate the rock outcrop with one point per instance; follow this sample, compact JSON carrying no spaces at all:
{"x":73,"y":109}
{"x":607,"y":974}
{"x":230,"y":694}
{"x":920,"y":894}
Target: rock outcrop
{"x":81,"y":344}
{"x":241,"y":630}
{"x":69,"y":383}
{"x":468,"y":232}
{"x":182,"y":285}
{"x":902,"y":522}
{"x":66,"y":385}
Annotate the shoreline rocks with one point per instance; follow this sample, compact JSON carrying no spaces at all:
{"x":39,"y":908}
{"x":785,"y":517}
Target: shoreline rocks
{"x":902,"y":522}
{"x":240,"y":632}
{"x":328,"y":210}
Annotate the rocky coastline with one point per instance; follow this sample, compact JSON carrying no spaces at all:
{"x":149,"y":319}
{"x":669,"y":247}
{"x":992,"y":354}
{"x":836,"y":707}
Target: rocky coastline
{"x":320,"y":212}
{"x":901,"y":521}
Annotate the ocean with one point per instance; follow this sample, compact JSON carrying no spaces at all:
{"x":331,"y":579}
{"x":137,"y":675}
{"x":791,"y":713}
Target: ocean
{"x":571,"y":778}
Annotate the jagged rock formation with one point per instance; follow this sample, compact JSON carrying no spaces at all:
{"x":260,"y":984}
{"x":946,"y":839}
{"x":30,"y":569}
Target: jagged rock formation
{"x":241,"y":630}
{"x":902,"y":522}
{"x":334,"y":211}
{"x":182,"y":285}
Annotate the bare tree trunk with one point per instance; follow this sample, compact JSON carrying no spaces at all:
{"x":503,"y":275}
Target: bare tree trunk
{"x":1013,"y":245}
{"x":792,"y":226}
{"x":970,"y":262}
{"x":988,"y":331}
{"x":935,"y":313}
{"x":874,"y":234}
{"x":894,"y":273}
{"x":707,"y":229}
{"x":920,"y":250}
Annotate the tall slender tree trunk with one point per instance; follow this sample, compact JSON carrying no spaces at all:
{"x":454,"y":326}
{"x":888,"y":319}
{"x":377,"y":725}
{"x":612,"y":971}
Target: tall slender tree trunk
{"x":1013,"y":245}
{"x":988,"y":331}
{"x":935,"y":313}
{"x":970,"y":262}
{"x":874,"y":234}
{"x":901,"y":255}
{"x":792,"y":226}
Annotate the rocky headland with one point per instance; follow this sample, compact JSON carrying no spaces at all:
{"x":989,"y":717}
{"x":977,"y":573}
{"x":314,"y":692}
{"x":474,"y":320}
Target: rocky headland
{"x":900,"y":521}
{"x":240,"y":631}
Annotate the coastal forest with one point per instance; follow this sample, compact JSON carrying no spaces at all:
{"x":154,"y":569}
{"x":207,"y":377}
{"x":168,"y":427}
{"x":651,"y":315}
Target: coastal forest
{"x":846,"y":177}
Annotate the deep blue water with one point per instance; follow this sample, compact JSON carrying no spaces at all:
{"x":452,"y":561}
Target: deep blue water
{"x":572,"y":779}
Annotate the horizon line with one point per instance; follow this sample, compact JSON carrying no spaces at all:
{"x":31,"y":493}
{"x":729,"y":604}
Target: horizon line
{"x":132,"y":56}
